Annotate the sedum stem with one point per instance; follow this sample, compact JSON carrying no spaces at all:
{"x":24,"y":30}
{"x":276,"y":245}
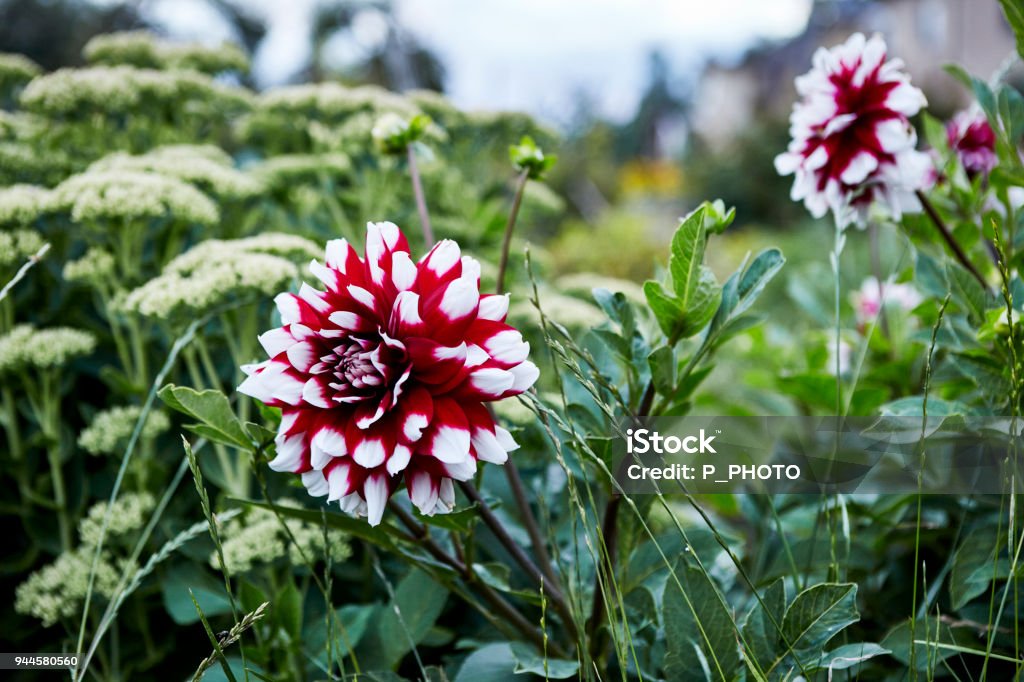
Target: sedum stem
{"x":421,"y":201}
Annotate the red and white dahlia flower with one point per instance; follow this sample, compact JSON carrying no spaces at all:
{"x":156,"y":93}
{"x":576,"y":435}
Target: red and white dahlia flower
{"x":382,"y":378}
{"x":852,"y":138}
{"x":973,"y":140}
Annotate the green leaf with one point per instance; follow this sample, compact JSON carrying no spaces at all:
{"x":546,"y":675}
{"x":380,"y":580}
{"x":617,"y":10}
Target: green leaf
{"x":850,"y":655}
{"x":663,"y":369}
{"x":459,"y":521}
{"x":668,"y":310}
{"x":687,"y":257}
{"x":913,"y":406}
{"x":208,"y":592}
{"x":760,"y":633}
{"x":498,"y":575}
{"x":1015,"y":16}
{"x":420,"y":601}
{"x":973,"y":568}
{"x":702,"y":306}
{"x":697,"y":620}
{"x":217,"y":420}
{"x":529,"y":661}
{"x":816,"y":616}
{"x":741,"y":290}
{"x":288,"y":611}
{"x":967,"y":291}
{"x":491,"y":663}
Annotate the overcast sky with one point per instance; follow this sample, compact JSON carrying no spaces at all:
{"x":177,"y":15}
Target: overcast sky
{"x":533,"y":55}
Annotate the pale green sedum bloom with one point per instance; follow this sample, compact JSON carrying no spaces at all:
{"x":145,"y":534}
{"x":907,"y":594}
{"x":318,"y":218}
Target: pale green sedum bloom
{"x":146,"y":50}
{"x":95,"y":266}
{"x":98,"y":195}
{"x":204,"y":166}
{"x":22,"y":205}
{"x":58,"y":590}
{"x":109,"y":431}
{"x":18,"y":245}
{"x":26,"y":347}
{"x":216,"y":271}
{"x":258,"y":538}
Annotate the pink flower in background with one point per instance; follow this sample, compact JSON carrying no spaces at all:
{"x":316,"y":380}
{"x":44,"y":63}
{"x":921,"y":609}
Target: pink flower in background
{"x":852,"y":139}
{"x":973,"y":140}
{"x":382,"y":377}
{"x":872,"y":295}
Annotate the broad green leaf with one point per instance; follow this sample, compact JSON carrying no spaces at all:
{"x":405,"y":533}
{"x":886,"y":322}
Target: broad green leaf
{"x":208,"y":592}
{"x":703,"y":304}
{"x":618,"y":308}
{"x":663,"y":369}
{"x":687,"y":256}
{"x":1015,"y":16}
{"x":697,"y":621}
{"x":966,"y":290}
{"x":668,"y":310}
{"x":850,"y":655}
{"x":816,"y":616}
{"x":348,"y":626}
{"x":760,"y":633}
{"x":913,"y":406}
{"x":529,"y":661}
{"x":460,"y":521}
{"x":973,"y":568}
{"x":741,"y":290}
{"x":498,"y":575}
{"x":217,"y":420}
{"x":420,"y":601}
{"x":491,"y":663}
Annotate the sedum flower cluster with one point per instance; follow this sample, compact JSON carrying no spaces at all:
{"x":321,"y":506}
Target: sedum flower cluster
{"x":258,"y":538}
{"x":22,"y":205}
{"x":15,"y":71}
{"x":145,"y":50}
{"x":285,"y":171}
{"x":125,"y":195}
{"x":216,"y":271}
{"x":58,"y":590}
{"x":109,"y":431}
{"x":26,"y":347}
{"x":18,"y":245}
{"x":95,"y":266}
{"x":82,"y":93}
{"x":204,"y":166}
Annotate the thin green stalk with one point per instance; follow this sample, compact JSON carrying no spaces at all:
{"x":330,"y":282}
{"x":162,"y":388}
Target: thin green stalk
{"x":23,"y":270}
{"x":920,"y":477}
{"x":506,"y":243}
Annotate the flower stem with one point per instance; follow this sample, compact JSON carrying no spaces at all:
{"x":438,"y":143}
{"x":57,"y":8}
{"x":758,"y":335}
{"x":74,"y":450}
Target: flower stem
{"x":23,"y":270}
{"x":492,"y":521}
{"x":948,"y":237}
{"x":506,"y":244}
{"x":422,"y":535}
{"x":421,"y":201}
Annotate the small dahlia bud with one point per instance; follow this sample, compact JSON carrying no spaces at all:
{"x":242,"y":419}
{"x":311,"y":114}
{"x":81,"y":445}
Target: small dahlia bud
{"x":394,"y":134}
{"x":852,"y":139}
{"x":527,"y":156}
{"x":382,"y":376}
{"x":973,"y":140}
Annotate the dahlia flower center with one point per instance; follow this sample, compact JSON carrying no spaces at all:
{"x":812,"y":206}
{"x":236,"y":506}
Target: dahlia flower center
{"x":367,"y":366}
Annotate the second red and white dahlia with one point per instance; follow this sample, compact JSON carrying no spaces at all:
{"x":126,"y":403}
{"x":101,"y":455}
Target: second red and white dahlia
{"x":852,"y":139}
{"x":972,"y":139}
{"x":382,"y":377}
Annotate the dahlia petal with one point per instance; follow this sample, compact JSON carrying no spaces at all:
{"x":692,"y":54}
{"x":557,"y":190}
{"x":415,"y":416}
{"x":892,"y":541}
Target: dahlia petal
{"x":303,"y":355}
{"x":415,"y":411}
{"x":405,"y":315}
{"x":859,"y":168}
{"x":403,"y":271}
{"x":526,"y":375}
{"x":354,"y":504}
{"x":351,"y":322}
{"x":441,"y":265}
{"x":446,"y":495}
{"x":315,"y":392}
{"x":448,"y":438}
{"x":329,"y":438}
{"x":275,"y":341}
{"x":434,"y":363}
{"x":340,"y":481}
{"x":906,"y":99}
{"x":487,"y":447}
{"x":399,"y":460}
{"x":314,"y":297}
{"x":331,"y":278}
{"x":363,"y":297}
{"x":505,"y":439}
{"x":491,"y":382}
{"x":423,"y":491}
{"x":461,"y":471}
{"x":316,"y":484}
{"x":460,"y":300}
{"x":342,"y":257}
{"x":290,"y":452}
{"x":375,"y":492}
{"x":369,"y":452}
{"x":287,"y":308}
{"x":493,"y":307}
